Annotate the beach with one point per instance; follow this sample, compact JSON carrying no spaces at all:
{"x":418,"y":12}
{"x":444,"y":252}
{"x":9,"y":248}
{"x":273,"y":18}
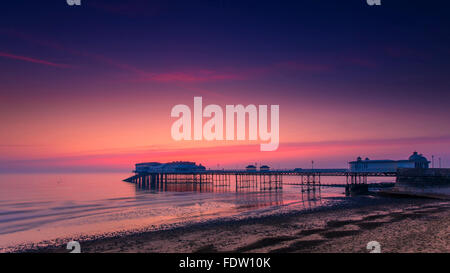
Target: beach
{"x":397,"y":224}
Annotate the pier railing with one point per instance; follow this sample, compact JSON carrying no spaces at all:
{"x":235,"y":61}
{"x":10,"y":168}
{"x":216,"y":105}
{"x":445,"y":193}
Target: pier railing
{"x":323,"y":172}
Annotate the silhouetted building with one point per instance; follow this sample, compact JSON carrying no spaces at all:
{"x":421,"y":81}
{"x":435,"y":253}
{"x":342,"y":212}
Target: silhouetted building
{"x":420,"y":162}
{"x":415,"y":161}
{"x":176,"y":166}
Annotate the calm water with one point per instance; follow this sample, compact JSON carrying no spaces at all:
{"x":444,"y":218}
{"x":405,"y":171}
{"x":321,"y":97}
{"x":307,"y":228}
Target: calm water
{"x":49,"y":208}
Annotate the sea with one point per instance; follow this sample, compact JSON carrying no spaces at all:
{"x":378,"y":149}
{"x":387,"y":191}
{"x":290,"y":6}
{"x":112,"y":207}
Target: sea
{"x":38,"y":210}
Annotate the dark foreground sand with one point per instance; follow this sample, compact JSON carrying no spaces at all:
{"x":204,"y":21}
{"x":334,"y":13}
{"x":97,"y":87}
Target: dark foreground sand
{"x":399,"y":225}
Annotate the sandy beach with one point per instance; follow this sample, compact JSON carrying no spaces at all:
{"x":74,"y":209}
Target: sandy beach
{"x":398,"y":224}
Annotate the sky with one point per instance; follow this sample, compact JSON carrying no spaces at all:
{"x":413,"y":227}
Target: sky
{"x":91,"y":87}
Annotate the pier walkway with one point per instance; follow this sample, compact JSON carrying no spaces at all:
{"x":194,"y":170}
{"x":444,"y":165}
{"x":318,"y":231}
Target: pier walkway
{"x":264,"y":180}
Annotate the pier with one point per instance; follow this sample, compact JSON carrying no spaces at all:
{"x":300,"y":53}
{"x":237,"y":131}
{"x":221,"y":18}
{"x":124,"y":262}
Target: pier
{"x":356,"y":182}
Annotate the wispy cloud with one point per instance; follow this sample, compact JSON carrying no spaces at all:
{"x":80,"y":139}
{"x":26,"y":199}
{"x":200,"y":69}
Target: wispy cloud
{"x":303,"y":66}
{"x":295,"y":152}
{"x":209,"y":75}
{"x":32,"y":60}
{"x":19,"y":146}
{"x":362,"y":62}
{"x":132,"y":8}
{"x":372,"y":142}
{"x":187,"y":75}
{"x":192,"y":76}
{"x":396,"y":51}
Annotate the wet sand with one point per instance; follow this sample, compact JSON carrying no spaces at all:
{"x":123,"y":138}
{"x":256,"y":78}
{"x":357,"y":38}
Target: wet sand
{"x":398,"y":224}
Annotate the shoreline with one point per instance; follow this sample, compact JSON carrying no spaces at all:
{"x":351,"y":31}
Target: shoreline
{"x":399,"y":224}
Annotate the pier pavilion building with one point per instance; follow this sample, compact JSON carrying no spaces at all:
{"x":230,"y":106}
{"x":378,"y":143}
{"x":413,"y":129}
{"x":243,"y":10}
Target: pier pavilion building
{"x":414,"y":161}
{"x":176,"y":166}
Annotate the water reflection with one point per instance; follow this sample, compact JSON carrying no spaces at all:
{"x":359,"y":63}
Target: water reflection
{"x":181,"y":187}
{"x":47,"y":207}
{"x":254,"y":200}
{"x":311,"y":195}
{"x":248,"y":196}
